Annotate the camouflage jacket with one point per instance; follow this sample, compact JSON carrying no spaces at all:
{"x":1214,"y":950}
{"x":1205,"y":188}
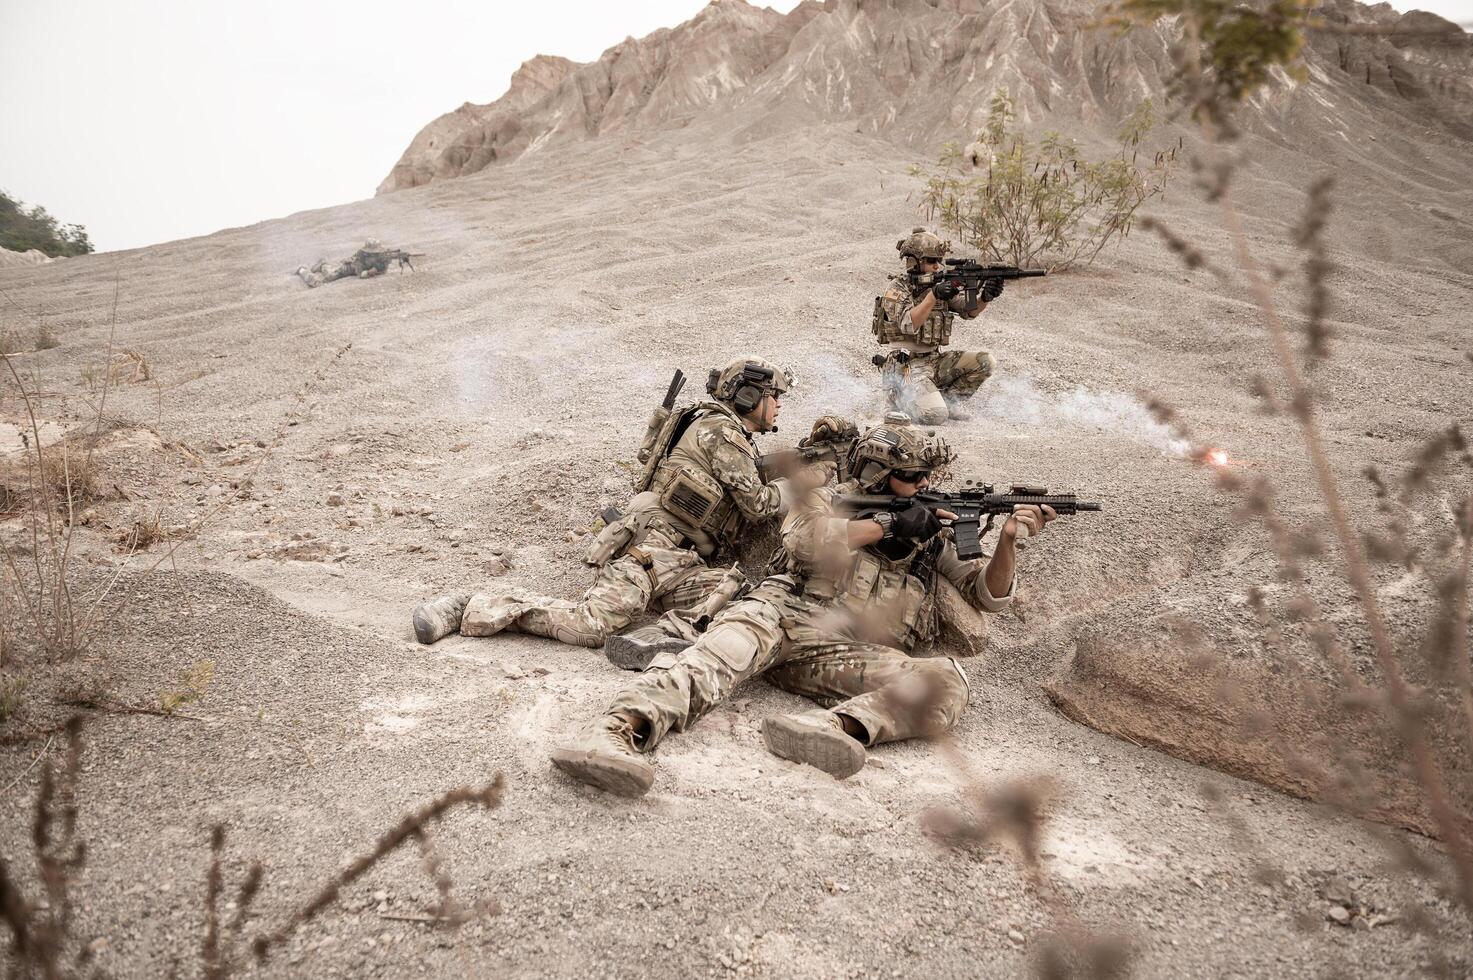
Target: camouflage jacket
{"x":708,"y":483}
{"x":893,"y":593}
{"x":365,"y":261}
{"x":891,"y":324}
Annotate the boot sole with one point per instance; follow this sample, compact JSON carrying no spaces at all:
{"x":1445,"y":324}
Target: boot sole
{"x":428,"y":628}
{"x":831,"y":751}
{"x":622,"y":777}
{"x":628,"y":654}
{"x":425,"y":628}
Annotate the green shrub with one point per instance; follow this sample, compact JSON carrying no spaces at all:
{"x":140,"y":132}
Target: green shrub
{"x":1022,"y":202}
{"x":22,"y":229}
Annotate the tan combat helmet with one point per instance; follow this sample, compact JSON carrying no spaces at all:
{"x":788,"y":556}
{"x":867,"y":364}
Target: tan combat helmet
{"x":373,"y":245}
{"x":896,"y":445}
{"x":744,"y":381}
{"x":921,"y":245}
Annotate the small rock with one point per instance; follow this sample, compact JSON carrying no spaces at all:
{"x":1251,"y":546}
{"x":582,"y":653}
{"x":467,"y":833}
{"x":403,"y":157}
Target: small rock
{"x":334,"y":500}
{"x":1339,"y":915}
{"x":513,"y":672}
{"x":1093,"y":760}
{"x":495,"y":567}
{"x":1337,"y":890}
{"x":1015,"y":936}
{"x":1360,"y":924}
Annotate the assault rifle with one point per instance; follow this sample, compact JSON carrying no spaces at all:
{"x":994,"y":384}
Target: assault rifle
{"x":967,"y":276}
{"x":395,"y":255}
{"x":970,"y":504}
{"x":784,"y":462}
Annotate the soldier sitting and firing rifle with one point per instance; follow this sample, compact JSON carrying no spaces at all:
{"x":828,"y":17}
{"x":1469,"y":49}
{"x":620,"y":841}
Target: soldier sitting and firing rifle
{"x":854,"y":597}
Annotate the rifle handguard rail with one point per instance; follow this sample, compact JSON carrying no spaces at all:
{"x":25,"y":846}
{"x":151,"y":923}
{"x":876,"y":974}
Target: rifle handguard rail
{"x":971,"y":504}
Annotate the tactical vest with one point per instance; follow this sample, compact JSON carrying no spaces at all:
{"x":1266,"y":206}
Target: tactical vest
{"x":901,"y":590}
{"x":935,"y":332}
{"x":690,"y":494}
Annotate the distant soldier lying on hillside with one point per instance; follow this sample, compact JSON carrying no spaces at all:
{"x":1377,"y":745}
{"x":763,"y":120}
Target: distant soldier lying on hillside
{"x":371,"y":260}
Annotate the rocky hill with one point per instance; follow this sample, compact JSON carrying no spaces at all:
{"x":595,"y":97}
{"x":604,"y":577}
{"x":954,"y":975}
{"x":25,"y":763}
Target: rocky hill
{"x":916,"y":72}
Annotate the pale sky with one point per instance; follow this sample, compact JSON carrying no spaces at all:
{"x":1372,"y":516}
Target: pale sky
{"x":151,"y":120}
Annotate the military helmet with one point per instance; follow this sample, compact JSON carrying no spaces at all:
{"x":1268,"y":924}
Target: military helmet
{"x":744,"y":381}
{"x":896,"y":445}
{"x":921,"y":245}
{"x":373,"y":245}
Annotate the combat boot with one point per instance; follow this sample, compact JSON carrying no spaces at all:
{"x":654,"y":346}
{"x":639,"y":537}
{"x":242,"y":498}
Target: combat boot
{"x":603,"y":754}
{"x":817,"y":738}
{"x":634,"y":650}
{"x":439,"y":617}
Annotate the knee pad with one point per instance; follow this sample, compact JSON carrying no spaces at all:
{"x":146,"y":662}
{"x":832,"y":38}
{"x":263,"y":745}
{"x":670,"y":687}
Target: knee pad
{"x":930,"y":408}
{"x":734,"y":644}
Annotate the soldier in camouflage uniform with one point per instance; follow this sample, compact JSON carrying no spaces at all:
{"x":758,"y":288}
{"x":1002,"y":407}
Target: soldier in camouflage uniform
{"x":836,"y":626}
{"x":370,"y":260}
{"x":916,"y":318}
{"x":704,"y":492}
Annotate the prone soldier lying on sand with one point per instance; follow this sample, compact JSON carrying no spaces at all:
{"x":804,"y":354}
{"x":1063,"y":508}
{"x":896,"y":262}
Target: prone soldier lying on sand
{"x":371,"y":260}
{"x":854,"y":597}
{"x":699,"y":493}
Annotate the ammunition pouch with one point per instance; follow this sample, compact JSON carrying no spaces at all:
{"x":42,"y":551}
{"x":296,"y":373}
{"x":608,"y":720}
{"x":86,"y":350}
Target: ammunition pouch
{"x":878,"y":322}
{"x":695,"y":499}
{"x":614,"y":539}
{"x":935,"y":332}
{"x":873,"y":585}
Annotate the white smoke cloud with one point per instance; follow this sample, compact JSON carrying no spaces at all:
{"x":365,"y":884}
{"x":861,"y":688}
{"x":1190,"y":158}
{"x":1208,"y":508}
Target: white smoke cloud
{"x":1018,"y":399}
{"x":827,"y":386}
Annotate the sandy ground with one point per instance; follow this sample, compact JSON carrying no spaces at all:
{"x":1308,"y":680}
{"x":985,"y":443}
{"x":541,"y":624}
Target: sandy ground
{"x":489,"y":404}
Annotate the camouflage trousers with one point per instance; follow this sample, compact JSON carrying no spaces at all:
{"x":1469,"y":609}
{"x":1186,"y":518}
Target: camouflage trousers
{"x":934,"y":382}
{"x":323,"y":271}
{"x":658,"y":574}
{"x":807,"y":648}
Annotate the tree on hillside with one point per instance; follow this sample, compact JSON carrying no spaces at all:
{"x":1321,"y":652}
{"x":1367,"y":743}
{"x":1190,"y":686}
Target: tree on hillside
{"x":1024,"y":202}
{"x":23,"y":229}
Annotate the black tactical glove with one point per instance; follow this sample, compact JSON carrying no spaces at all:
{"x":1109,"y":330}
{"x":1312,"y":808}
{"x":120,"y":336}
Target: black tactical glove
{"x":916,"y":523}
{"x":944,"y":291}
{"x":991,"y":289}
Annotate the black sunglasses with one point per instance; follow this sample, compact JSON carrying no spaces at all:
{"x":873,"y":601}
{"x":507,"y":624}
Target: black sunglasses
{"x":911,"y":476}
